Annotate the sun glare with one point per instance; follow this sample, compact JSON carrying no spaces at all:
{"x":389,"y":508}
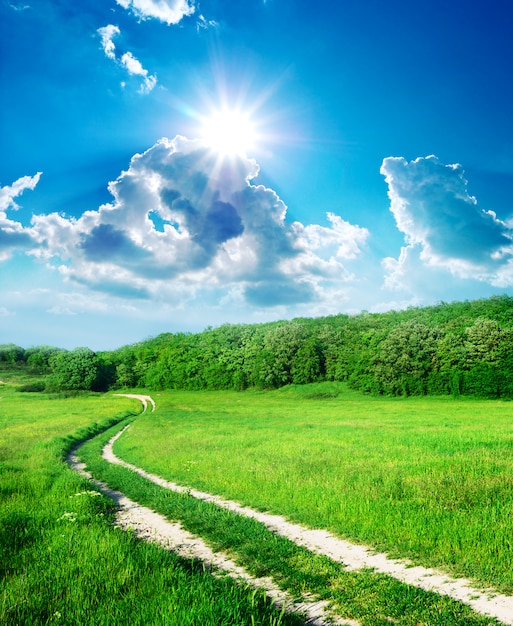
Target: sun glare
{"x":229,"y":132}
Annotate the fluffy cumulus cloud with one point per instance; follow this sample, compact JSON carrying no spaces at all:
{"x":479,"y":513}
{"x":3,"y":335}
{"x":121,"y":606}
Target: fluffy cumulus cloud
{"x":444,"y":226}
{"x":12,"y":233}
{"x":167,"y":11}
{"x":182,"y":220}
{"x":132,"y":65}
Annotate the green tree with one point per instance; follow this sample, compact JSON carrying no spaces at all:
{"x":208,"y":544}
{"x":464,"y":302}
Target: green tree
{"x":481,"y":341}
{"x":308,"y":363}
{"x":11,"y":354}
{"x":405,"y":359}
{"x":38,"y":358}
{"x":489,"y":350}
{"x":79,"y":369}
{"x":279,"y":354}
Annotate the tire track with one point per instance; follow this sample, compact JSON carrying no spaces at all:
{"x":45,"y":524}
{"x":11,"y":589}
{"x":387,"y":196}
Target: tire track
{"x":352,"y":556}
{"x":151,"y":526}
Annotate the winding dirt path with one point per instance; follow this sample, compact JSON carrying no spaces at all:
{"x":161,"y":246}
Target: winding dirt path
{"x":151,"y":526}
{"x":350,"y":555}
{"x":145,"y":400}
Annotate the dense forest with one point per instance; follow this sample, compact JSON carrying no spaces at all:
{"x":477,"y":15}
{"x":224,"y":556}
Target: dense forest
{"x":458,"y":348}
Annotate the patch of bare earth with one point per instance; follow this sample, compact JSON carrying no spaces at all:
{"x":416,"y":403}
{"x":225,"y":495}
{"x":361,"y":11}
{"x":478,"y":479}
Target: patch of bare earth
{"x":144,"y":400}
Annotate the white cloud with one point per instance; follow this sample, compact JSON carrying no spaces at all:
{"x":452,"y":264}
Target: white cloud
{"x":416,"y":283}
{"x":12,"y":234}
{"x":135,"y":68}
{"x":216,"y":232}
{"x":59,"y":310}
{"x":444,"y":224}
{"x":167,"y":11}
{"x":342,"y":238}
{"x":132,"y":65}
{"x":107,"y":33}
{"x":75,"y":303}
{"x":9,"y":192}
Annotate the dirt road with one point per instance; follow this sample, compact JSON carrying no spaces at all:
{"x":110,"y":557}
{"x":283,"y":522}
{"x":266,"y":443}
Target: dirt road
{"x":352,"y":556}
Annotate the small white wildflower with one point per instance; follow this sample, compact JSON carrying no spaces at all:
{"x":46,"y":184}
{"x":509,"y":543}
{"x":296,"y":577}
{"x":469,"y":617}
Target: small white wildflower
{"x":89,"y":492}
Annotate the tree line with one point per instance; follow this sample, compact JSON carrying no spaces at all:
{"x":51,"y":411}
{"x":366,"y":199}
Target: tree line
{"x":463,"y":348}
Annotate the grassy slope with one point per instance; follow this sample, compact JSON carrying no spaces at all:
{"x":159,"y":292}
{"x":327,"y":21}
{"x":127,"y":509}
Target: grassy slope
{"x":61,"y":560}
{"x":428,"y":478}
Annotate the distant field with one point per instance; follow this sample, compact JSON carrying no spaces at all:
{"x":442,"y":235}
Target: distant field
{"x":429,"y":478}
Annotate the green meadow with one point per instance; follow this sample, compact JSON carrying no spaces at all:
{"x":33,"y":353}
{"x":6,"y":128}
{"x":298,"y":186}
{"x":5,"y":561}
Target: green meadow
{"x":428,"y":478}
{"x":62,"y":561}
{"x":369,"y":598}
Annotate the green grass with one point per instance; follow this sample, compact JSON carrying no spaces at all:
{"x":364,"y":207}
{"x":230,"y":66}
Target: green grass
{"x":372,"y":599}
{"x":427,"y":478}
{"x":310,"y":452}
{"x":61,"y":559}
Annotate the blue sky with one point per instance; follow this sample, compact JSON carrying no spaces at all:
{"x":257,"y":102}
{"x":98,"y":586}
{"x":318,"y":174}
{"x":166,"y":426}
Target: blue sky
{"x":169,"y":165}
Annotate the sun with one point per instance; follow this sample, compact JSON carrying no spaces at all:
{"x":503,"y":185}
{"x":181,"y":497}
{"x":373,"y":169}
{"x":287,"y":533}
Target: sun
{"x":230,"y":132}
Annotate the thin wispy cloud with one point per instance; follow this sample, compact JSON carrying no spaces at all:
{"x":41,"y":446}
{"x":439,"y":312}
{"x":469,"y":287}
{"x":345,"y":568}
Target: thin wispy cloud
{"x":19,"y":7}
{"x":127,"y":60}
{"x":13,"y":236}
{"x":202,"y":23}
{"x":9,"y":192}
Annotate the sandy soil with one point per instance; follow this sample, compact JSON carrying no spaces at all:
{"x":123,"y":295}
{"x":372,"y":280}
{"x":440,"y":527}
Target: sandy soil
{"x":350,"y":555}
